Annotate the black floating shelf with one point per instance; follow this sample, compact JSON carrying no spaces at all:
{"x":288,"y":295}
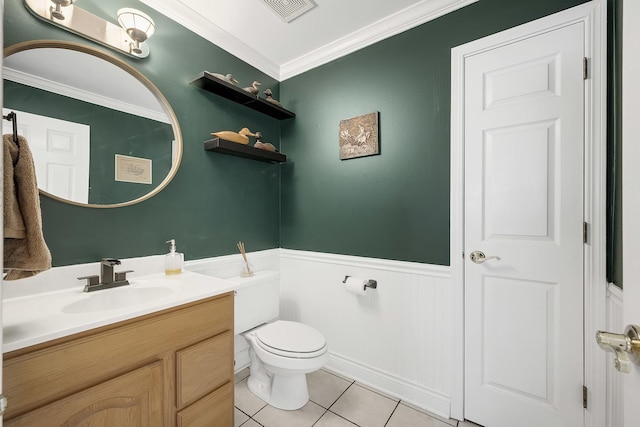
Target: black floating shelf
{"x":209,"y":82}
{"x":228,"y":147}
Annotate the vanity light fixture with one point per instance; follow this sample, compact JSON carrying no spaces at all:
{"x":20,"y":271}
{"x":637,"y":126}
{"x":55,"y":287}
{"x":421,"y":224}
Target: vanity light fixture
{"x":138,"y":25}
{"x":129,"y":37}
{"x":57,"y":11}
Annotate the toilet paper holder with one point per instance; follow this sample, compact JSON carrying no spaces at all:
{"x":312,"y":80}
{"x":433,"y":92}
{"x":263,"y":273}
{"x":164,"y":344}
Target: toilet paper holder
{"x":369,"y":284}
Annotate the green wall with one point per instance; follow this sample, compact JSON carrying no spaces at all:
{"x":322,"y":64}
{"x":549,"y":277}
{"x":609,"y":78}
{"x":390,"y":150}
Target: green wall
{"x":112,"y":132}
{"x":214,"y":200}
{"x":614,"y":142}
{"x":395,"y":205}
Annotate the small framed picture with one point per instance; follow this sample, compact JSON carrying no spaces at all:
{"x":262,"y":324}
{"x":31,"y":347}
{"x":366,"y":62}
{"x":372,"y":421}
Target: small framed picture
{"x":133,"y":169}
{"x":358,"y":136}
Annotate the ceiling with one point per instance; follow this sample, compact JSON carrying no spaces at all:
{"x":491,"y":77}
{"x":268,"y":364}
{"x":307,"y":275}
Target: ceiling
{"x":253,"y":32}
{"x":116,"y":89}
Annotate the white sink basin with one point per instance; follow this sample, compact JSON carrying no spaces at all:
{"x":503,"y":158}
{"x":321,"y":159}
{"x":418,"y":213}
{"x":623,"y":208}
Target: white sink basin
{"x":43,"y":316}
{"x":117,"y":298}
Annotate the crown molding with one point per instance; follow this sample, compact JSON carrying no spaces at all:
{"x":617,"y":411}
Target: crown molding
{"x":408,"y":18}
{"x":83,"y":95}
{"x":418,"y":14}
{"x":192,"y":20}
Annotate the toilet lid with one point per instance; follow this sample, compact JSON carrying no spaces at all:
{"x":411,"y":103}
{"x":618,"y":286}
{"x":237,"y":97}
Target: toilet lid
{"x":290,"y":337}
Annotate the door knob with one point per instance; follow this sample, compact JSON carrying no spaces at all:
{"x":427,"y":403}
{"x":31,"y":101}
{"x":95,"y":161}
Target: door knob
{"x":479,"y":257}
{"x":625,"y":346}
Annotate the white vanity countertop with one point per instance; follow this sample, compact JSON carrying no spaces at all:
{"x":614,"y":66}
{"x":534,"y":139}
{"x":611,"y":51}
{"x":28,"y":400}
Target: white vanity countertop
{"x":41,"y":317}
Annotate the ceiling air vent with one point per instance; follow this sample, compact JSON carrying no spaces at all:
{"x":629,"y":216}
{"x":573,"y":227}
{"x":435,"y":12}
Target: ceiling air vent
{"x":288,"y":10}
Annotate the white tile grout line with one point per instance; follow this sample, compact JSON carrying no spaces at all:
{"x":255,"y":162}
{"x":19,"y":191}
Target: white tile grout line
{"x":392,"y":412}
{"x":338,"y":398}
{"x":339,"y":416}
{"x":323,"y":414}
{"x":341,"y":394}
{"x":333,"y":403}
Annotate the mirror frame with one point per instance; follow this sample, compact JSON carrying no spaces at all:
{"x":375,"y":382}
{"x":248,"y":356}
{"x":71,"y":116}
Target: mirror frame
{"x":35,"y":44}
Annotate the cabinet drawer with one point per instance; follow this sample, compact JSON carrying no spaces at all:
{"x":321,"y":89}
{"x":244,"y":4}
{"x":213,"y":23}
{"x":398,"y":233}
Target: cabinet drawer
{"x":213,"y":410}
{"x":203,"y":367}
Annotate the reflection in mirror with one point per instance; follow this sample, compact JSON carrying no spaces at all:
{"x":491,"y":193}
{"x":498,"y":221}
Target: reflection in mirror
{"x":101,"y":133}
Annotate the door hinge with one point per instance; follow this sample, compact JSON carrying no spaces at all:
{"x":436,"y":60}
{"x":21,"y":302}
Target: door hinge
{"x":3,"y":404}
{"x":462,"y":254}
{"x":585,"y":393}
{"x":585,"y":68}
{"x":585,"y":232}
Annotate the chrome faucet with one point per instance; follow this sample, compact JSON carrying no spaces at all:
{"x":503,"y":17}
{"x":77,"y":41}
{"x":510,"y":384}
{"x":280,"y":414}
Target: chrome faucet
{"x":106,"y":269}
{"x":108,"y":277}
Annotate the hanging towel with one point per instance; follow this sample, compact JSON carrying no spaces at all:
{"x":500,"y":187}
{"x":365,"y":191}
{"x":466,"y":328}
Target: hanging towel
{"x":25,"y":251}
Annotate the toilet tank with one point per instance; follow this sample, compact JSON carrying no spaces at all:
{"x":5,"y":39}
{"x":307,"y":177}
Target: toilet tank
{"x":257,"y":300}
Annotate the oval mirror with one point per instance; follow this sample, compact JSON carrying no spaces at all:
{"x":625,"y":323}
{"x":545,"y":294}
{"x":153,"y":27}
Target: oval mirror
{"x":102,"y":135}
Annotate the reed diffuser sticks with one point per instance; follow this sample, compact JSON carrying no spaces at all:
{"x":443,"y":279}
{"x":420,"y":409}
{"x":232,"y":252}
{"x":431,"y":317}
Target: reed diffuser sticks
{"x":246,"y":272}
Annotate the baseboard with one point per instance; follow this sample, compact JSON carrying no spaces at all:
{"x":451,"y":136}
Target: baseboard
{"x":391,"y":385}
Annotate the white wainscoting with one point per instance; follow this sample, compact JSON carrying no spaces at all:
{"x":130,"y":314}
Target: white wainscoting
{"x":615,"y":389}
{"x":396,"y":338}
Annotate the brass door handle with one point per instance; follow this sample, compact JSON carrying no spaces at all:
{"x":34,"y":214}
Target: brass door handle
{"x":479,"y":257}
{"x":625,"y":346}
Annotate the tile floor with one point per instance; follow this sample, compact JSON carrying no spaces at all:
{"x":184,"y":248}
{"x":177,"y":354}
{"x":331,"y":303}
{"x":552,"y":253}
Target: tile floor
{"x":334,"y":402}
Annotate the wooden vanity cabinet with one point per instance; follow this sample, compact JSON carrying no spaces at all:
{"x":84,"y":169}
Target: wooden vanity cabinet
{"x":170,"y":368}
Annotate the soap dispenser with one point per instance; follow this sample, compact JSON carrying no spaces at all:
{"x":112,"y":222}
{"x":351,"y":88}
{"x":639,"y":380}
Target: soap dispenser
{"x":173,"y":260}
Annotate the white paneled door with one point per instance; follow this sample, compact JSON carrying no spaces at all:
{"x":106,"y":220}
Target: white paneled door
{"x":60,"y":151}
{"x":523,"y":231}
{"x":631,"y":194}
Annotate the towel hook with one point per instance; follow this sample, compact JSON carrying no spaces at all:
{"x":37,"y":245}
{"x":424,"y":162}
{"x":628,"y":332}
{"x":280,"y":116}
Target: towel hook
{"x":12,"y":117}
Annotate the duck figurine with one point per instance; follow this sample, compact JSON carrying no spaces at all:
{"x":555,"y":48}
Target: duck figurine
{"x":263,"y":145}
{"x":225,"y":78}
{"x":254,"y":88}
{"x":270,"y":98}
{"x":241,"y":137}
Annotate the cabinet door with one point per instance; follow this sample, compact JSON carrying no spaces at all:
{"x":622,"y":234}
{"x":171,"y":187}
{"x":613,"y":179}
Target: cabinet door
{"x":213,"y":410}
{"x":132,"y":399}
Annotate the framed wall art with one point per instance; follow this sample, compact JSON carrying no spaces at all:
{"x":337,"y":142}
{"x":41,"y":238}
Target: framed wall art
{"x":133,"y":169}
{"x":358,"y":136}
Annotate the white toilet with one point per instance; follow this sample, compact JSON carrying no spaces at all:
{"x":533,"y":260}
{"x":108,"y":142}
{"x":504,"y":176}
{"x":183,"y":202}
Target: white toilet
{"x":281,"y":352}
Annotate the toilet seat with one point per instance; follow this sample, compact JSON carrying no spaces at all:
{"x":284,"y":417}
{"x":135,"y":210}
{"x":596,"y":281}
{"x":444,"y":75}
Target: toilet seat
{"x":291,"y":339}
